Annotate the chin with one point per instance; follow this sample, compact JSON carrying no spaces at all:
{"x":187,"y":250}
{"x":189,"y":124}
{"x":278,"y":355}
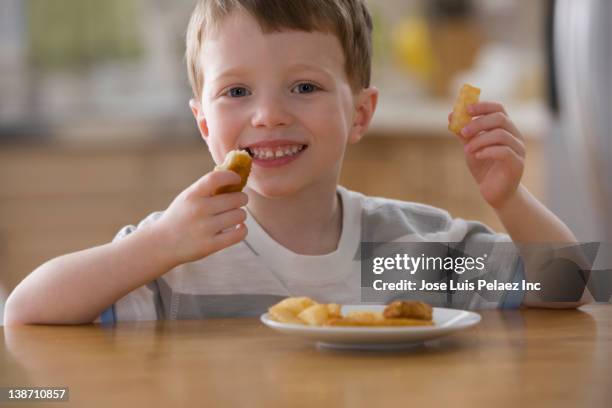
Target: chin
{"x":274,"y":190}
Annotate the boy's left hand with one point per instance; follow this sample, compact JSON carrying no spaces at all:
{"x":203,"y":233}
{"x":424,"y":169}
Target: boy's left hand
{"x":494,"y":152}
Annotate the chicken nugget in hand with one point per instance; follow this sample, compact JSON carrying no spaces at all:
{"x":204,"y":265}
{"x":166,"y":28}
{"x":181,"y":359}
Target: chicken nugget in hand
{"x":468,"y":95}
{"x":239,"y":162}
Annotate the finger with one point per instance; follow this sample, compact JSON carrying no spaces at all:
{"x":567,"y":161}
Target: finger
{"x":227,"y":238}
{"x":490,"y":122}
{"x":495,"y":137}
{"x":486,"y":108}
{"x":224,"y":202}
{"x":227,"y":219}
{"x":209,"y":183}
{"x":503,"y":153}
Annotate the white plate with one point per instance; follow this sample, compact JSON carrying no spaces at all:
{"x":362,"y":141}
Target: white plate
{"x":446,"y":321}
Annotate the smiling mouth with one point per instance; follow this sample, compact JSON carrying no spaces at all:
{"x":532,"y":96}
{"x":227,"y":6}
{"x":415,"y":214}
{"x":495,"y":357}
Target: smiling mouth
{"x":272,"y":153}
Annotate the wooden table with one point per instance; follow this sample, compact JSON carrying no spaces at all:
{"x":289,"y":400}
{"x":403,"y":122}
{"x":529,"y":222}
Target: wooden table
{"x":512,"y":359}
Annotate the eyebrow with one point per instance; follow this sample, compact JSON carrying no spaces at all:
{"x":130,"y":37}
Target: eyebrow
{"x":234,"y":71}
{"x":242,"y":70}
{"x":305,"y":66}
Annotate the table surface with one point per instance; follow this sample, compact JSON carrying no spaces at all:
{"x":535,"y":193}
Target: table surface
{"x":511,"y":359}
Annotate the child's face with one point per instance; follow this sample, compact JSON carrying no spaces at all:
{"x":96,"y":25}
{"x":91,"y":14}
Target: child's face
{"x":286,"y":98}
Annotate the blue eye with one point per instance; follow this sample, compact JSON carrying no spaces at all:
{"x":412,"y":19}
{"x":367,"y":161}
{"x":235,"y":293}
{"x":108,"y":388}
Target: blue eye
{"x":238,"y":92}
{"x":306,"y":88}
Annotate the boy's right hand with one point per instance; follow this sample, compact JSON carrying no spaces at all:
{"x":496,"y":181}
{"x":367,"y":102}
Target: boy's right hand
{"x":198,"y":223}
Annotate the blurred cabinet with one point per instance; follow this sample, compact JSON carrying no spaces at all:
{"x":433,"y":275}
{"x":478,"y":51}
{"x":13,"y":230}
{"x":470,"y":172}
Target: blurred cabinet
{"x":429,"y":170}
{"x":55,"y":200}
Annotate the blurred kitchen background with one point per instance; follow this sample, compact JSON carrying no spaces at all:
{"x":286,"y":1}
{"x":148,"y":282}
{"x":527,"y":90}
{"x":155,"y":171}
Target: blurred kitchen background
{"x":95,"y":130}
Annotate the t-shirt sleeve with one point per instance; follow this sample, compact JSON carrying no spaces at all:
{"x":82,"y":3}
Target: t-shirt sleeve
{"x":503,"y":267}
{"x":394,"y":221}
{"x":139,"y":304}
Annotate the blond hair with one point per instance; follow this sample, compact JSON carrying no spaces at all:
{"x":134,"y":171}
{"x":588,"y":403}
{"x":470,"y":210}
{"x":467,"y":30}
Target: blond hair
{"x":348,"y":20}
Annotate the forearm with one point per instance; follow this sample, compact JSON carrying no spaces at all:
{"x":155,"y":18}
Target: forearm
{"x":527,"y":220}
{"x":75,"y":288}
{"x":529,"y":223}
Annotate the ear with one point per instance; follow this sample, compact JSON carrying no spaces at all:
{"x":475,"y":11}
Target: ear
{"x":196,"y":109}
{"x":365,"y":107}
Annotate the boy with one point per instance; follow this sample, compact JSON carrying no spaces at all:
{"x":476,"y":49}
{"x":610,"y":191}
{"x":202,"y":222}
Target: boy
{"x":288,"y":81}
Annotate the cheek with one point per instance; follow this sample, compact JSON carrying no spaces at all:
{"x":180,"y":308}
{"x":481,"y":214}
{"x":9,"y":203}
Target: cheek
{"x":224,"y":126}
{"x":330,"y":121}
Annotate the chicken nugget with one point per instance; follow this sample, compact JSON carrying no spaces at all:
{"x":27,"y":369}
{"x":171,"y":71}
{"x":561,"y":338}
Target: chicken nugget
{"x":294,"y":304}
{"x":467,"y":95}
{"x":282,"y":315}
{"x":315,"y":315}
{"x":238,"y":161}
{"x":334,"y":310}
{"x":408,"y":309}
{"x":288,"y":309}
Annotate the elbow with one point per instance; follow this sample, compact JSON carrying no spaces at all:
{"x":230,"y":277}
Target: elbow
{"x":13,"y":313}
{"x":18,"y":312}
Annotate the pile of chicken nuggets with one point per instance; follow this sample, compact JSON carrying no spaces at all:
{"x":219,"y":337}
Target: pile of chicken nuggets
{"x":305,"y":311}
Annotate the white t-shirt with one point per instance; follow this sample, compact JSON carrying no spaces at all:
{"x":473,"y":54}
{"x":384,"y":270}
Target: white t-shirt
{"x":247,"y":278}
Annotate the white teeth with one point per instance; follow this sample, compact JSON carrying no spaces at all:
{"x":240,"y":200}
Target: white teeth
{"x":275,"y":153}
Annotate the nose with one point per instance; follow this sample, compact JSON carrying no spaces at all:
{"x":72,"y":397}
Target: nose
{"x":270,"y":112}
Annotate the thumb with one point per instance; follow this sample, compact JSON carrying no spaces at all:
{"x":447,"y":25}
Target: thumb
{"x":209,"y":183}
